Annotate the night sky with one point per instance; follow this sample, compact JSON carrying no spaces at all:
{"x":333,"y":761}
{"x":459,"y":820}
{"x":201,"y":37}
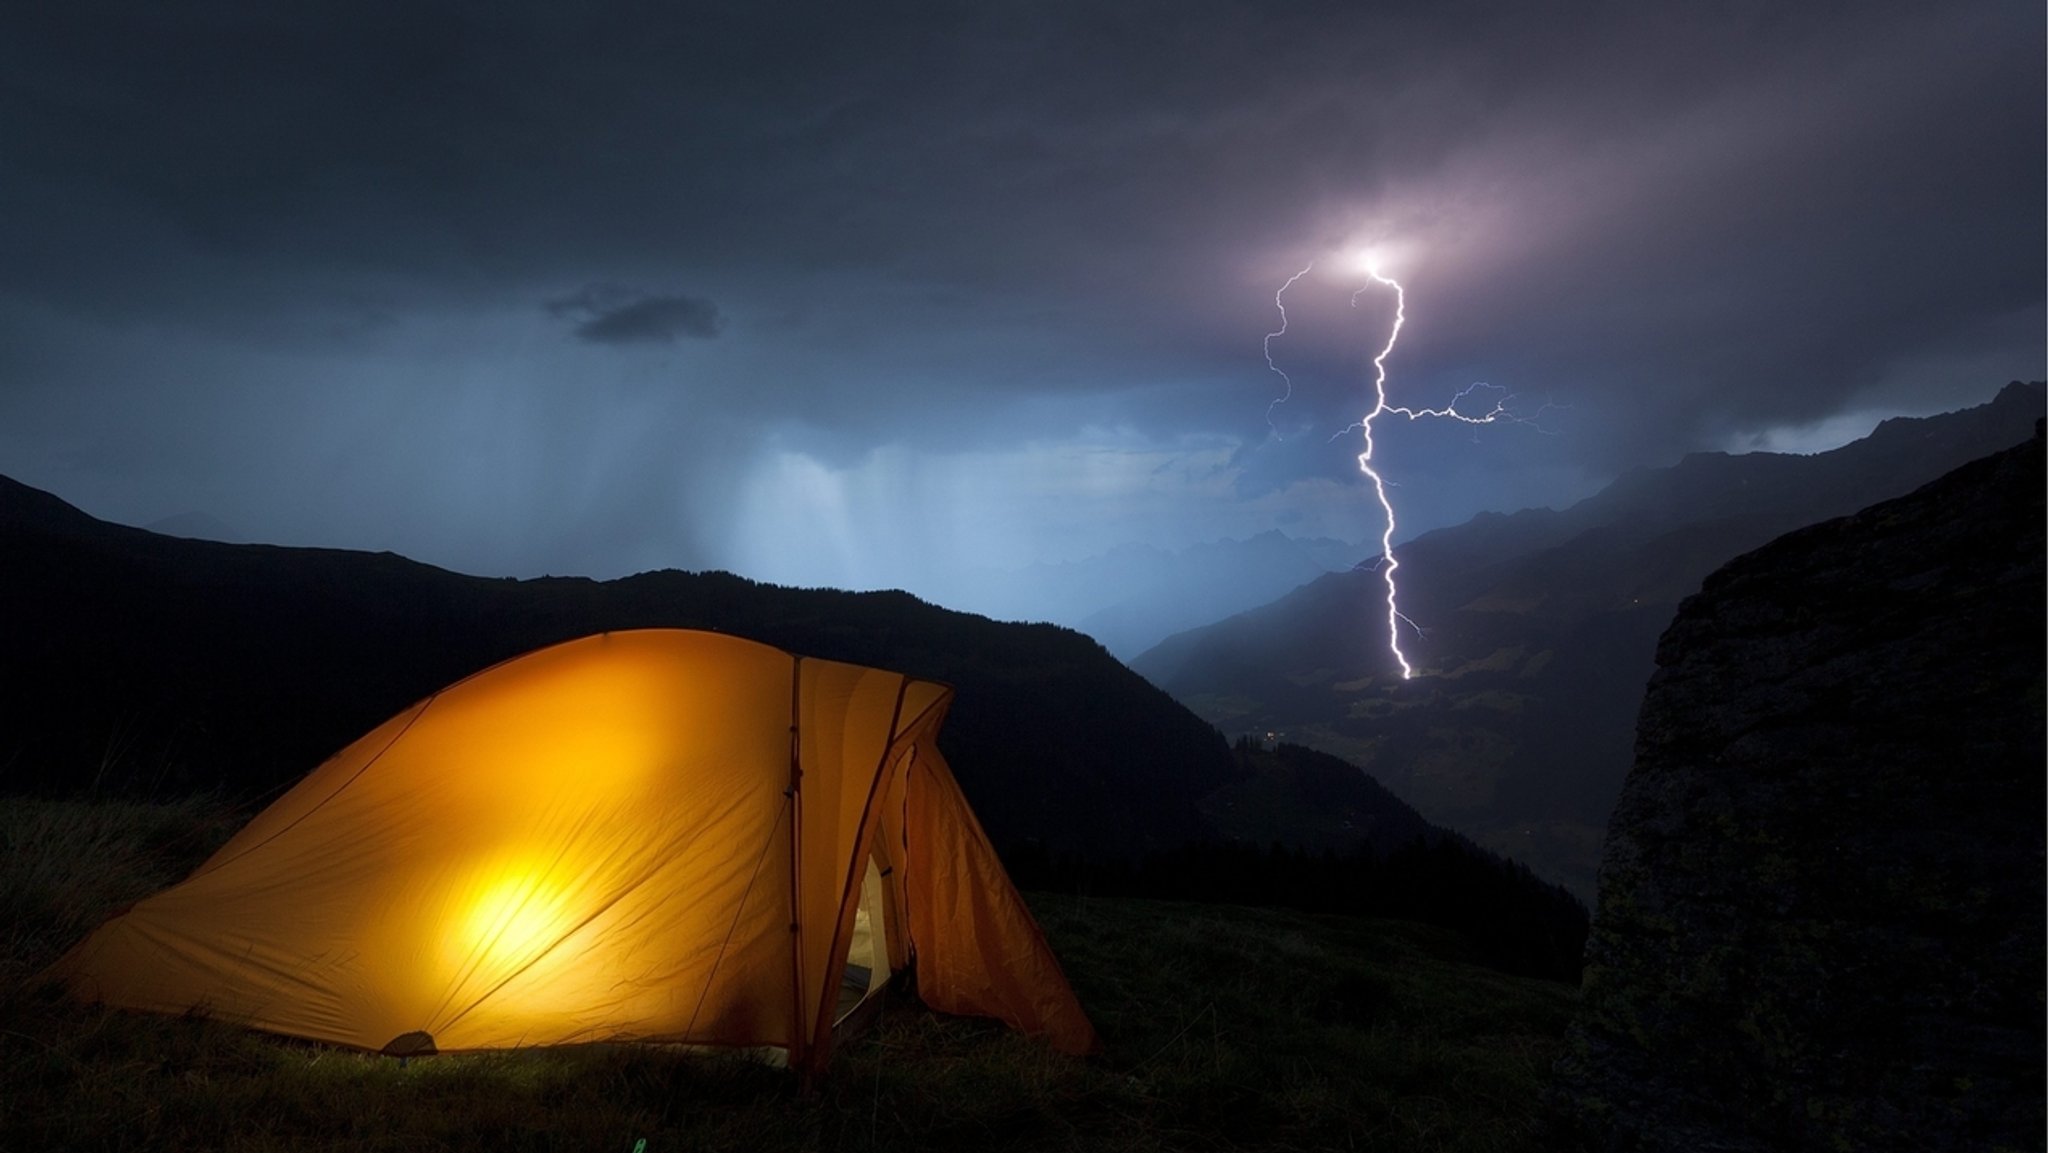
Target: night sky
{"x":876,"y":295}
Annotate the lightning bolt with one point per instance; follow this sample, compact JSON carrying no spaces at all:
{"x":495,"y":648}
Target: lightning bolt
{"x":1379,"y":483}
{"x":1280,"y":304}
{"x":1500,"y":411}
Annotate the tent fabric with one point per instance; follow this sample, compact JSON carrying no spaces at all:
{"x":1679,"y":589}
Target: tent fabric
{"x":658,"y":835}
{"x":985,"y":959}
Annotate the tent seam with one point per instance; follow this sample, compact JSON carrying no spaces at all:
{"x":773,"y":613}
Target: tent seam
{"x":210,"y":866}
{"x":738,"y":913}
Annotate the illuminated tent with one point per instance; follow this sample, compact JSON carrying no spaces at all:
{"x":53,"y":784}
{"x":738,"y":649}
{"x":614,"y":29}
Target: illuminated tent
{"x":656,"y":835}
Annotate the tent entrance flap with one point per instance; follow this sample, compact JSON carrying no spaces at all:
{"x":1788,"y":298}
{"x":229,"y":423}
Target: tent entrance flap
{"x":867,"y":955}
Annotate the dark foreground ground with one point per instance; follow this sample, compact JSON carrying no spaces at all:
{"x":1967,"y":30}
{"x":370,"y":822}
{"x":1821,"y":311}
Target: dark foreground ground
{"x":1226,"y":1028}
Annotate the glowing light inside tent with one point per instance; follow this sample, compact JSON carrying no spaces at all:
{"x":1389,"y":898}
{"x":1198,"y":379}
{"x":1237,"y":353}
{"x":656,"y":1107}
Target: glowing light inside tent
{"x":513,"y":918}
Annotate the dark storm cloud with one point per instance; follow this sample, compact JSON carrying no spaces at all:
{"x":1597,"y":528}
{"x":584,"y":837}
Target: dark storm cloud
{"x":974,"y":226}
{"x":609,"y":314}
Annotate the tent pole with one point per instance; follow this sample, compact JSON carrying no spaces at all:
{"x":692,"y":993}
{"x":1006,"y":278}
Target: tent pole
{"x":799,"y":1036}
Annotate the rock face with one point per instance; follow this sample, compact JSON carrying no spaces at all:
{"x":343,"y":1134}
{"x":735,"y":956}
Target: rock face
{"x":1820,"y":922}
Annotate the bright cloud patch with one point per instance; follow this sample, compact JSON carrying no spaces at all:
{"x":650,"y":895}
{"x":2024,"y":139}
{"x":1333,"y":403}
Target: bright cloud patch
{"x":1806,"y":439}
{"x":937,"y":523}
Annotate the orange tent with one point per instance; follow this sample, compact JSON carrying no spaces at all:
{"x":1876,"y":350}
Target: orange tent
{"x":655,"y":835}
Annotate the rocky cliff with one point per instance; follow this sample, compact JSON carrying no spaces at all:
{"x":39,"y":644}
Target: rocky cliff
{"x":1820,"y":918}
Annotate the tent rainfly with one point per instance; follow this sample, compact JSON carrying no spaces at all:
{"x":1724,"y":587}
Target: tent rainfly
{"x":653,"y":835}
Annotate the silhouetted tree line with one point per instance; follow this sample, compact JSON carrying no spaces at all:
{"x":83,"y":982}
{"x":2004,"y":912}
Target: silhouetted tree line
{"x":1516,"y":922}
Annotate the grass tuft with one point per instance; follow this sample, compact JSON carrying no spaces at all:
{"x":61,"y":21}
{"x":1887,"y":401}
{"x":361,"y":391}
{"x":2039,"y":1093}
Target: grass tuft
{"x":65,"y":866}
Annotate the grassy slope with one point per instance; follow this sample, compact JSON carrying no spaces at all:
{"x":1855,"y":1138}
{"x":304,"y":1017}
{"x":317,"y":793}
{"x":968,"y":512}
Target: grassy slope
{"x":1227,"y":1028}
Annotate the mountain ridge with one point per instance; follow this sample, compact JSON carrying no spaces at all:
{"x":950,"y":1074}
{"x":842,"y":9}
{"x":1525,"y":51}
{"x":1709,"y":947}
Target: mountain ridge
{"x":1542,"y":627}
{"x":147,"y":649}
{"x":160,"y":664}
{"x":153,"y":665}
